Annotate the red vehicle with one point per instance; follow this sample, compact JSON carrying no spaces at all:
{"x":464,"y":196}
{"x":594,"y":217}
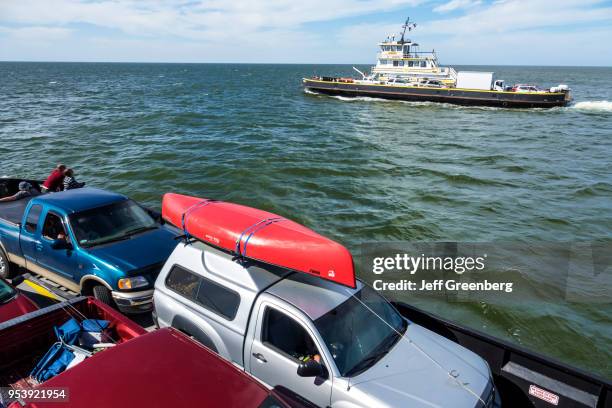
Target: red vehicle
{"x":13,"y":303}
{"x":163,"y":368}
{"x":26,"y":339}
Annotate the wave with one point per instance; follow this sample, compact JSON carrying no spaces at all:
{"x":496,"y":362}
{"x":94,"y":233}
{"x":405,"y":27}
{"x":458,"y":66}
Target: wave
{"x":594,"y":189}
{"x":348,"y":98}
{"x":593,"y":106}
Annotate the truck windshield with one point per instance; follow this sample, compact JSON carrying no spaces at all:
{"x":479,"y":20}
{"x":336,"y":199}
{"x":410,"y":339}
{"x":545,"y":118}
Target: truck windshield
{"x":6,"y":292}
{"x":110,"y":223}
{"x":355,"y":336}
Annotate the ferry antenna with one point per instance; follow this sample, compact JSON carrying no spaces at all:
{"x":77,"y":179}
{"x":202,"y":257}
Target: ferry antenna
{"x":407,"y":25}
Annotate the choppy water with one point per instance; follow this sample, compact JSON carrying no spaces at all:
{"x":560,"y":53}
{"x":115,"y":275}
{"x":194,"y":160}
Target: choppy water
{"x":356,"y":170}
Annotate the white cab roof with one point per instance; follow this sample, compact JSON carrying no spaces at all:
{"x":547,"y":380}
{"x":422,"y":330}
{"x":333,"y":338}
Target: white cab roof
{"x":314,"y":296}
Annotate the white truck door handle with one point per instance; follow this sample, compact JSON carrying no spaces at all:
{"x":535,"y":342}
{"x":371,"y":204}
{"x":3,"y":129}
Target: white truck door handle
{"x":260,"y":357}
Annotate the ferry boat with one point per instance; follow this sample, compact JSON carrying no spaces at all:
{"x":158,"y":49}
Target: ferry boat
{"x":403,"y":72}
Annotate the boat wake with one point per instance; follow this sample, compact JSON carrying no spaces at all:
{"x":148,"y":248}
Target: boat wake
{"x":394,"y":101}
{"x":585,"y":106}
{"x":593,"y":106}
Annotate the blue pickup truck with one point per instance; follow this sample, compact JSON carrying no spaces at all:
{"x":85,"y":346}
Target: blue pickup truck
{"x":92,"y":241}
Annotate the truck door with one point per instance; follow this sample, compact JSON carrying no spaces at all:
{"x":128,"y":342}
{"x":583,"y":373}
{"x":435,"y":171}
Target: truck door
{"x":59,"y":260}
{"x":281,"y":343}
{"x":28,"y":238}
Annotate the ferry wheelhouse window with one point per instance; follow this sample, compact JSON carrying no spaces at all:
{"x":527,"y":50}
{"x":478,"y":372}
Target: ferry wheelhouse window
{"x":410,"y":63}
{"x":423,"y":64}
{"x":396,"y":63}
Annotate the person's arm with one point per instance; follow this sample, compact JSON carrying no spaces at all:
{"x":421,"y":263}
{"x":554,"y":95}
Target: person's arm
{"x":10,"y":198}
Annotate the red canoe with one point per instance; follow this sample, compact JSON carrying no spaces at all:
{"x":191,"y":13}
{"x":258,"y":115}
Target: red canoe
{"x":260,"y":235}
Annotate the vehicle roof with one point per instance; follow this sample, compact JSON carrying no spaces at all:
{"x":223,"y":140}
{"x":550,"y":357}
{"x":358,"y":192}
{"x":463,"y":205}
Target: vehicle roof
{"x":249,"y":275}
{"x":163,"y":368}
{"x":312,"y":295}
{"x":80,"y":199}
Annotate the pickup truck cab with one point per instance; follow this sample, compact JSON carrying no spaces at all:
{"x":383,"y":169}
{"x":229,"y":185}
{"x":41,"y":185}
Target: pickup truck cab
{"x":337,"y":346}
{"x":164,"y":368}
{"x":89,"y":240}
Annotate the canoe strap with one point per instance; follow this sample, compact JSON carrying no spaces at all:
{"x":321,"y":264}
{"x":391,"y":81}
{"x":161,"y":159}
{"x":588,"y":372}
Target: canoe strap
{"x":252,"y":230}
{"x":201,"y":204}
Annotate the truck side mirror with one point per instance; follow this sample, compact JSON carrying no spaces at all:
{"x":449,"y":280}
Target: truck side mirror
{"x":311,"y":369}
{"x":61,"y":244}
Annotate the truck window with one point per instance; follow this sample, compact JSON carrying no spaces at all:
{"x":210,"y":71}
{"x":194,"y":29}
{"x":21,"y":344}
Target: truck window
{"x":206,"y":293}
{"x":110,"y":223}
{"x":288,"y":336}
{"x":6,"y":292}
{"x":363,"y":326}
{"x":183,"y":282}
{"x":53,"y":228}
{"x":32,"y":218}
{"x":271,"y":402}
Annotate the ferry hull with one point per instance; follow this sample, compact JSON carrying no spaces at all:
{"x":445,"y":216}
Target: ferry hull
{"x":456,"y":96}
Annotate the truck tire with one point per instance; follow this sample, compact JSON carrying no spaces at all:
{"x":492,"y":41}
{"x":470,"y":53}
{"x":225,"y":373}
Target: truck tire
{"x":6,"y":272}
{"x":102,"y":293}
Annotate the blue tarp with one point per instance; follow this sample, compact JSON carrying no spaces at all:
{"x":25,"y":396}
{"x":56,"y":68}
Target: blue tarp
{"x":59,"y":355}
{"x":92,"y":325}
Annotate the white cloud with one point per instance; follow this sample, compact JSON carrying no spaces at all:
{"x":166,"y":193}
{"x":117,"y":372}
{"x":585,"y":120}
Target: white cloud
{"x":456,"y":5}
{"x":516,"y":15}
{"x":37,"y":33}
{"x":200,"y":20}
{"x":535,"y":32}
{"x":508,"y":31}
{"x":267,"y":30}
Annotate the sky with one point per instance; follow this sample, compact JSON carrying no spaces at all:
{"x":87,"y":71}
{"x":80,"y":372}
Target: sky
{"x":479,"y":32}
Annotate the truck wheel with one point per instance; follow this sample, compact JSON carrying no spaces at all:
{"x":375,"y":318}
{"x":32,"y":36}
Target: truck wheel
{"x":103,"y":295}
{"x":5,"y":266}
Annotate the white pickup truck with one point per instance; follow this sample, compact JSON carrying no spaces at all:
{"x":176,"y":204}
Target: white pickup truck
{"x":335,"y":346}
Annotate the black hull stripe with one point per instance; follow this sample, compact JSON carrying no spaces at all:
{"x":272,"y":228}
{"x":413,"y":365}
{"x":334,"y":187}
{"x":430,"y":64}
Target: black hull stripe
{"x":428,"y":95}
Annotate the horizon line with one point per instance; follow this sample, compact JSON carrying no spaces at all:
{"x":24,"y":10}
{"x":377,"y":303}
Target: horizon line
{"x":278,"y":63}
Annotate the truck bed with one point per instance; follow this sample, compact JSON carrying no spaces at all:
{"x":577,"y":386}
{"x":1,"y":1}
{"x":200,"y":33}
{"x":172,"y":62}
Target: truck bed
{"x":24,"y":340}
{"x":12,"y":211}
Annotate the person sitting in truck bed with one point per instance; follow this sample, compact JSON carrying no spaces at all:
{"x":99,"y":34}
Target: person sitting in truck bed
{"x":54,"y":182}
{"x":25,"y":190}
{"x":70,"y":182}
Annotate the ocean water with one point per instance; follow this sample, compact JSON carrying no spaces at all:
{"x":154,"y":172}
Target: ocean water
{"x":357,"y":170}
